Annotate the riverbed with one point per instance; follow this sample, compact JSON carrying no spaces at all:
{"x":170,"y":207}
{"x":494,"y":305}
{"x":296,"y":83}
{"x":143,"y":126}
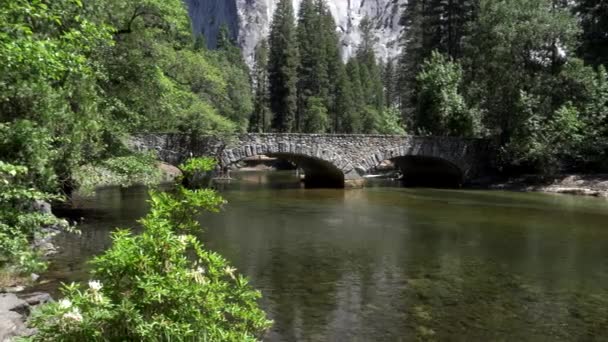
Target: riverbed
{"x":387,"y":263}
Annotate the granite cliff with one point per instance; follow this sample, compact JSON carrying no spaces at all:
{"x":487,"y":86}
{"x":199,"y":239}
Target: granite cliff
{"x":249,"y":21}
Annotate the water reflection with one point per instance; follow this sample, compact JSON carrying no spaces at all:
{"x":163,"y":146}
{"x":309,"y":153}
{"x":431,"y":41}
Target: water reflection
{"x":393,"y":264}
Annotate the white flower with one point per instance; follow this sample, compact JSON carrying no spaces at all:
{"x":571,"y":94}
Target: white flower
{"x":73,"y":315}
{"x":65,"y":304}
{"x":95,"y":285}
{"x":197,"y":274}
{"x":230,"y":271}
{"x":183,"y":239}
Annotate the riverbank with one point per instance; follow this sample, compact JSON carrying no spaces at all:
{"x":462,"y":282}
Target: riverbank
{"x":14,"y":312}
{"x":595,"y":185}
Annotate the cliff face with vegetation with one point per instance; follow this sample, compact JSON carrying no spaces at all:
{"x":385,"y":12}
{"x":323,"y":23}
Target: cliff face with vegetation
{"x":249,"y":21}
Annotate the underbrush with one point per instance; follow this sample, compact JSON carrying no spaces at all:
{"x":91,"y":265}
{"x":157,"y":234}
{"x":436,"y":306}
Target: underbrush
{"x":125,"y":171}
{"x":21,"y":223}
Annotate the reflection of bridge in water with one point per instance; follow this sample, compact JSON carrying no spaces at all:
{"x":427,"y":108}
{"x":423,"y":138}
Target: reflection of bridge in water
{"x":336,"y":160}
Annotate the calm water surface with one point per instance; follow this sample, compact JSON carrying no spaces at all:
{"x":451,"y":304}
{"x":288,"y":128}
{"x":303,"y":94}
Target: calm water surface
{"x":394,"y":264}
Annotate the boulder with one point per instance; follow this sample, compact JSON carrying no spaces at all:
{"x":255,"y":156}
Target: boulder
{"x":170,"y":172}
{"x":42,"y":207}
{"x":37,"y":298}
{"x":14,"y":312}
{"x":10,"y":302}
{"x":11,"y":325}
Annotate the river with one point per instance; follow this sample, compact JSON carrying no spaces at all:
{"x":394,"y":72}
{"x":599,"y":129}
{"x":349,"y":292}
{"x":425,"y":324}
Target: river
{"x":386,"y":263}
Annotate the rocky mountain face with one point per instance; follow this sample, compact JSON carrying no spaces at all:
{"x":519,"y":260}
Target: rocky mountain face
{"x":249,"y":21}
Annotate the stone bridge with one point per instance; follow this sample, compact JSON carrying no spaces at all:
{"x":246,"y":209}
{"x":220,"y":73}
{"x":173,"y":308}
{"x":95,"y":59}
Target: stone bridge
{"x":336,"y":160}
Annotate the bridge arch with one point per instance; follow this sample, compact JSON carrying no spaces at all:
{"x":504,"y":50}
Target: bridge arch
{"x":322,"y":166}
{"x":428,"y":161}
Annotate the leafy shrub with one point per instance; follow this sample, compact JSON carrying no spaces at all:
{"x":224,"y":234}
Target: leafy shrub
{"x":316,"y":116}
{"x":123,"y":171}
{"x":19,"y":223}
{"x":194,"y":165}
{"x":442,"y":109}
{"x":161,"y":285}
{"x":544,"y":143}
{"x":23,"y":142}
{"x":390,"y":122}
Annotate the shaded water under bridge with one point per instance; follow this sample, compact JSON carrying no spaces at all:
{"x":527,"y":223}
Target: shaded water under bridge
{"x":336,"y":160}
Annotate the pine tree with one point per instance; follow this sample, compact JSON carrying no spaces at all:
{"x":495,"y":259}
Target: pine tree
{"x":282,"y":67}
{"x":224,"y":41}
{"x":358,"y":103}
{"x":345,"y":118}
{"x":430,"y":25}
{"x":413,"y":53}
{"x":389,"y":79}
{"x":370,"y":78}
{"x":594,"y":21}
{"x":320,"y":58}
{"x":335,"y":65}
{"x":261,"y":116}
{"x":312,"y":71}
{"x":228,"y":46}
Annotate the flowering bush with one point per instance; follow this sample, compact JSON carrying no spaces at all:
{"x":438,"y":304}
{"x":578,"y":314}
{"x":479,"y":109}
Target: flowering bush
{"x":161,"y":285}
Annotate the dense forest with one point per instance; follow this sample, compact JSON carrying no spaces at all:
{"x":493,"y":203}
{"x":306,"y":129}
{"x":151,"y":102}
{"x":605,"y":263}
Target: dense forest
{"x":303,"y":85}
{"x":77,"y":77}
{"x":529,"y":75}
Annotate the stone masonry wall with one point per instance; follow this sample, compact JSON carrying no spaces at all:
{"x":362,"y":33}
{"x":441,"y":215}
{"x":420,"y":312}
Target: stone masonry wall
{"x":354,"y":155}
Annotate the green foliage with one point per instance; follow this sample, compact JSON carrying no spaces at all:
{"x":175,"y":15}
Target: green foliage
{"x":594,"y":22}
{"x":441,"y":107}
{"x":319,"y":62}
{"x":125,"y":171}
{"x":544,"y":143}
{"x":282,"y":67}
{"x":521,"y":39}
{"x":76,"y":77}
{"x":345,"y":119}
{"x":430,"y":25}
{"x":19,"y":222}
{"x":587,"y":90}
{"x":23,"y":142}
{"x":195,"y":165}
{"x":520,"y":77}
{"x":160,"y":285}
{"x":390,"y":81}
{"x":48,"y":76}
{"x":390,"y":122}
{"x":533,"y":43}
{"x":316,"y":116}
{"x":262,"y":116}
{"x":160,"y":79}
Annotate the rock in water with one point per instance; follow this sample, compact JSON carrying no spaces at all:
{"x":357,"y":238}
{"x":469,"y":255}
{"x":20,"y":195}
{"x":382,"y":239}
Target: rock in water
{"x":249,"y":22}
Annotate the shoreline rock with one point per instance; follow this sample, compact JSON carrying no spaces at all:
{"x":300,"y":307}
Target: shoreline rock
{"x":15,"y":307}
{"x":14,"y":312}
{"x":593,"y":185}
